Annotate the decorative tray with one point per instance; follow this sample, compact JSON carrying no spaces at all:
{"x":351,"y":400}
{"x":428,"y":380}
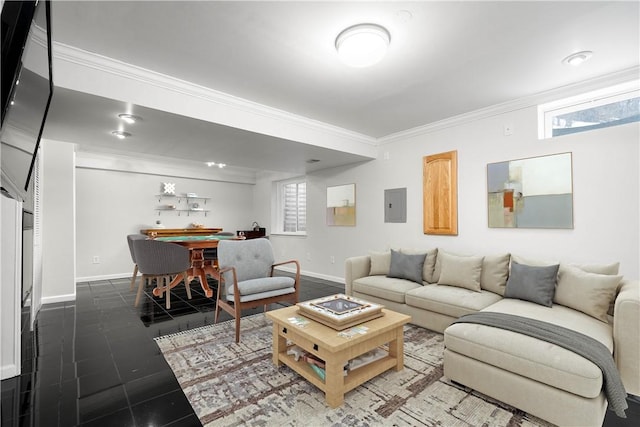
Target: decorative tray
{"x":340,"y":311}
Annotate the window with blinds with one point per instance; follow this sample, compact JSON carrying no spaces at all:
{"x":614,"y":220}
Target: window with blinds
{"x":292,"y":207}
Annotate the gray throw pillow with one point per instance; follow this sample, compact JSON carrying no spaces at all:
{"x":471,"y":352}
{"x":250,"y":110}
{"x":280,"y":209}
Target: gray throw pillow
{"x":531,"y":283}
{"x":405,"y":266}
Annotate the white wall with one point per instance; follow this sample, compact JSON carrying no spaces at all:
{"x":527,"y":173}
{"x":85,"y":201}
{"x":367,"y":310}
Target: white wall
{"x":10,"y":288}
{"x":58,"y":221}
{"x":111,"y":204}
{"x":605,"y":195}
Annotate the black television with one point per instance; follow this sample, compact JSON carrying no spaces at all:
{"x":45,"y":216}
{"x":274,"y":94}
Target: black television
{"x":27,"y":89}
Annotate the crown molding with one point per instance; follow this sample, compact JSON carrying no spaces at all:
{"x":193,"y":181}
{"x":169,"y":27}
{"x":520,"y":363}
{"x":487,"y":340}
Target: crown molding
{"x":112,"y":66}
{"x":517,"y":104}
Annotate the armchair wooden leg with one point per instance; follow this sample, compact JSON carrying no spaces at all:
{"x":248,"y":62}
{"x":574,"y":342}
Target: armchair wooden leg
{"x":238,"y":316}
{"x":135,"y":275}
{"x":140,"y":287}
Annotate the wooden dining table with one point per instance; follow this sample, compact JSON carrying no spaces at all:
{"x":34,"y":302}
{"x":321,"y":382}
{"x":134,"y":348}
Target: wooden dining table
{"x":199,"y":268}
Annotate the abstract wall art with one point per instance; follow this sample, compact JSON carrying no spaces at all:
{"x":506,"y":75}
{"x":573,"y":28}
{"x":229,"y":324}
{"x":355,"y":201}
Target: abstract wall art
{"x":536,"y":192}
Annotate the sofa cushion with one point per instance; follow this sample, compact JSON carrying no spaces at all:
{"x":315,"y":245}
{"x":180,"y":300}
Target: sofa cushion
{"x":460,"y":271}
{"x":589,"y":293}
{"x":429,"y":261}
{"x":380,"y":263}
{"x":610,"y":269}
{"x":406,"y":266}
{"x":388,"y":288}
{"x":438,"y":265}
{"x":532,"y":283}
{"x":449,"y":300}
{"x":530,"y":357}
{"x":495,"y":272}
{"x":532,"y":261}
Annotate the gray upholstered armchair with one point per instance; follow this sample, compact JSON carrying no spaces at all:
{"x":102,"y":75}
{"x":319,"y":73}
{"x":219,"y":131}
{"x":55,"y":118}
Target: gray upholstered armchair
{"x":247,"y":280}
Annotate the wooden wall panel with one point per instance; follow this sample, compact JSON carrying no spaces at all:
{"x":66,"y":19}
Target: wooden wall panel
{"x":440,"y":193}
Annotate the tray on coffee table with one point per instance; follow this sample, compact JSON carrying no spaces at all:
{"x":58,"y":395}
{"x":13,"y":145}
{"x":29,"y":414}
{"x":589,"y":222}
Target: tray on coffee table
{"x":340,"y":311}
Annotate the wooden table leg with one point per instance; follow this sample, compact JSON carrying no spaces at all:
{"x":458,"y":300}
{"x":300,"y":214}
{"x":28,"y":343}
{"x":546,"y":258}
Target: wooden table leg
{"x":396,"y":349}
{"x":158,"y":291}
{"x":279,"y":344}
{"x":334,"y":382}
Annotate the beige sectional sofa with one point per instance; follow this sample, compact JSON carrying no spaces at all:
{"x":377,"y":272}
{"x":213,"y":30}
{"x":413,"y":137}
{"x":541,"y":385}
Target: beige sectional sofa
{"x":543,"y":379}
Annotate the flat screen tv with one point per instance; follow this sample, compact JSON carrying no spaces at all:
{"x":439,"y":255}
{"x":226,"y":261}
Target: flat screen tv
{"x":27,"y":88}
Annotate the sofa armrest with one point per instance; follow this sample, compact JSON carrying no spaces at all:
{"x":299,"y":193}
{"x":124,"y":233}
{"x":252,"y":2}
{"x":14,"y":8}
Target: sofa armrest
{"x":355,"y":268}
{"x":626,"y":335}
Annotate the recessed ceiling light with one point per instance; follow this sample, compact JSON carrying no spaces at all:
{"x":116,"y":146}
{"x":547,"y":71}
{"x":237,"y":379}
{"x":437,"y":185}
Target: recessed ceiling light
{"x":363,"y":45}
{"x":220,"y":165}
{"x":577,"y":58}
{"x":120,"y":134}
{"x":130,"y":118}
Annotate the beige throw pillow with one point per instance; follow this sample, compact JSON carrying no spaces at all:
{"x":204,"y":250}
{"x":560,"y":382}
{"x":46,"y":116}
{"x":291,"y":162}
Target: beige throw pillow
{"x":380,"y":263}
{"x":589,"y":293}
{"x":460,"y":271}
{"x":609,"y":269}
{"x":495,"y":272}
{"x":438,"y":264}
{"x":534,"y":262}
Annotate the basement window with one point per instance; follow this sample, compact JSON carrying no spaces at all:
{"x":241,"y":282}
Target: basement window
{"x":612,"y":106}
{"x":291,"y":207}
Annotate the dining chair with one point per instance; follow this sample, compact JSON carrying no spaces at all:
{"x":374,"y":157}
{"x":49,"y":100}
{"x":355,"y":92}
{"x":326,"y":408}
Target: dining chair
{"x":130,"y":239}
{"x":159,"y":261}
{"x":247,"y":278}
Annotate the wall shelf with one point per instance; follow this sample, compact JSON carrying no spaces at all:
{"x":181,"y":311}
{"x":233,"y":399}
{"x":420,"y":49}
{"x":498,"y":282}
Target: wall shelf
{"x":190,"y":206}
{"x":179,"y":198}
{"x":188,"y":211}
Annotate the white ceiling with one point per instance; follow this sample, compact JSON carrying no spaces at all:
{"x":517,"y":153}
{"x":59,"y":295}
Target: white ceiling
{"x":445,"y":59}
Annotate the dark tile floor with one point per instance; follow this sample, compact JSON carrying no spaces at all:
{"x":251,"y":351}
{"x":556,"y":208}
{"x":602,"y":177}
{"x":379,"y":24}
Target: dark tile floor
{"x":93,"y":362}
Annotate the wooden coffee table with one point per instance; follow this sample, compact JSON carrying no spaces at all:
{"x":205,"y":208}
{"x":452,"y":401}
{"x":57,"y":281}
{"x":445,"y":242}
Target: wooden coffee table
{"x":336,"y":351}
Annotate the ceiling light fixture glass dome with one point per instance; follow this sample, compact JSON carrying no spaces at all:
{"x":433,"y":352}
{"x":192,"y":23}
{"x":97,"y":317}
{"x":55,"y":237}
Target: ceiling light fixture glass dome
{"x":363,"y":45}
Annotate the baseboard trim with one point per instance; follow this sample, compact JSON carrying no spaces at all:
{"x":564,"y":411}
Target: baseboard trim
{"x":312,"y":274}
{"x":103,"y":277}
{"x":58,"y":298}
{"x":287,"y":269}
{"x":9,"y":371}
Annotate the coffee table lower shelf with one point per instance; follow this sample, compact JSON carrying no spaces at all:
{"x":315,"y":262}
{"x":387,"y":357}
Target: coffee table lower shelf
{"x":352,"y":380}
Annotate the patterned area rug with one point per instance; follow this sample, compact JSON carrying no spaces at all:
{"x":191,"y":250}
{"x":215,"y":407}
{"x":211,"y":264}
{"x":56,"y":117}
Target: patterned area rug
{"x":231,"y":384}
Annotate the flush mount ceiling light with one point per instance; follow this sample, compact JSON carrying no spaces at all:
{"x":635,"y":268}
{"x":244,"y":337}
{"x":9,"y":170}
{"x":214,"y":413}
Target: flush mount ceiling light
{"x":130,"y":118}
{"x":363,"y":45}
{"x":577,"y":58}
{"x":120,"y":134}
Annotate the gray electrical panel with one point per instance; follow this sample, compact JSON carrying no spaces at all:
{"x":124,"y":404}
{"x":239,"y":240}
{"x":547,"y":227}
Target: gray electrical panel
{"x":395,"y":205}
